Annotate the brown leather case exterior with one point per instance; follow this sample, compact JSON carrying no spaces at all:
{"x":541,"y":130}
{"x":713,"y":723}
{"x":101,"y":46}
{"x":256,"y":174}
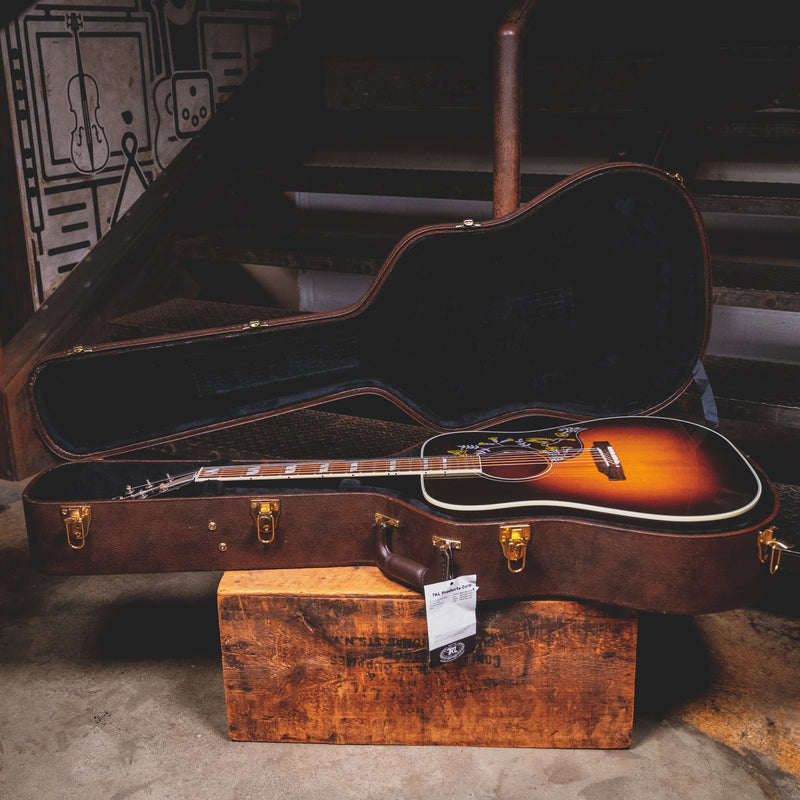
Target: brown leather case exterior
{"x":665,"y":571}
{"x":591,"y":300}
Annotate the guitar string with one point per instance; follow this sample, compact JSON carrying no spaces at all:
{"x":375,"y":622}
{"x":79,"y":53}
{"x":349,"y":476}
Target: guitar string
{"x":406,"y":466}
{"x":367,"y":467}
{"x":434,"y":463}
{"x":363,"y":464}
{"x":429,"y":464}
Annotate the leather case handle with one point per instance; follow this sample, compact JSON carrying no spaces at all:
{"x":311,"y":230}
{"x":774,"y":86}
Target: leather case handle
{"x":403,"y":569}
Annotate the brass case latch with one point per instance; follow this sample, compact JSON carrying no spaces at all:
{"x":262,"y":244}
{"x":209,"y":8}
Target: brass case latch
{"x":514,"y":541}
{"x":770,"y":549}
{"x":76,"y":520}
{"x":265,"y":515}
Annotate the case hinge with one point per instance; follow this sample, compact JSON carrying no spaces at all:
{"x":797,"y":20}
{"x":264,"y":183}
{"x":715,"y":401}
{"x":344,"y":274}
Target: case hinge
{"x":514,"y":541}
{"x":76,"y":520}
{"x":770,"y":548}
{"x":467,"y":224}
{"x":265,"y":515}
{"x":678,"y":177}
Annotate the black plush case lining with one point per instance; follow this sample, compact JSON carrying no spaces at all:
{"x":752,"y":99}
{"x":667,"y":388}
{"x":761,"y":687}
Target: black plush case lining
{"x":592,"y":300}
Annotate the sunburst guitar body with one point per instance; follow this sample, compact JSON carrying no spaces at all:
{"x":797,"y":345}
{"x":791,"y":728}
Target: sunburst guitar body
{"x":643,"y":467}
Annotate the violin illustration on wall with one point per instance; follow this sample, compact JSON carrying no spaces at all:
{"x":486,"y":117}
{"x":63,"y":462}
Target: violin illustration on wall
{"x":89,"y":147}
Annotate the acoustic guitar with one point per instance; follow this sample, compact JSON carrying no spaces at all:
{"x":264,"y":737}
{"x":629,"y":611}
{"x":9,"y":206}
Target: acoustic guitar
{"x":647,"y":468}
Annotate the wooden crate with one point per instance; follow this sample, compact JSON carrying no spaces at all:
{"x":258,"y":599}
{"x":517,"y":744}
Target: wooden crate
{"x":340,"y":655}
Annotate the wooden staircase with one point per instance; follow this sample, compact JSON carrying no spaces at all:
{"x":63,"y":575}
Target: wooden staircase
{"x":370,"y":121}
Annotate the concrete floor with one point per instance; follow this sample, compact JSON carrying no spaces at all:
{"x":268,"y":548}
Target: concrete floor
{"x":112,"y":688}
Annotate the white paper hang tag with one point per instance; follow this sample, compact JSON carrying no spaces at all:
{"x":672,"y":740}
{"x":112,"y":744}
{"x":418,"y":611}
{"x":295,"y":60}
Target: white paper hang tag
{"x":450,"y":610}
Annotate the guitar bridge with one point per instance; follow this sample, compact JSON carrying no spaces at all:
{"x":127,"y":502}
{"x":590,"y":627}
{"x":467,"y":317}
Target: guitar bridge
{"x":607,"y":461}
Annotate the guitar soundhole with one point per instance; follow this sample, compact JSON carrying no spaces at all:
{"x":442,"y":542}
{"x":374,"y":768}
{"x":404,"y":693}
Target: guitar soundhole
{"x":515,"y":465}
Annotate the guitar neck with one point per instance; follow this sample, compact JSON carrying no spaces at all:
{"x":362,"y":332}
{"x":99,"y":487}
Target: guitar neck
{"x":434,"y":466}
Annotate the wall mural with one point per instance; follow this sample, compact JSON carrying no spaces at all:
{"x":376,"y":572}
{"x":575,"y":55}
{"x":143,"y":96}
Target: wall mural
{"x":105,"y":94}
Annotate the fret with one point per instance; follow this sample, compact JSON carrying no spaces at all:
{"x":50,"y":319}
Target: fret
{"x":431,"y":466}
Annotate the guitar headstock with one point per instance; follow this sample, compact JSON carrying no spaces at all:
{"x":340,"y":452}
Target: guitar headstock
{"x":152,"y":489}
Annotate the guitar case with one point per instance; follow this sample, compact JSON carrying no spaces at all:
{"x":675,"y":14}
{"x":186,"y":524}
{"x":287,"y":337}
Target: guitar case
{"x":591,"y":301}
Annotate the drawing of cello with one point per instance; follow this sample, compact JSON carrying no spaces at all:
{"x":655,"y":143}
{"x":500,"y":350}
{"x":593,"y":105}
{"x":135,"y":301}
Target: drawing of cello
{"x":89,"y":148}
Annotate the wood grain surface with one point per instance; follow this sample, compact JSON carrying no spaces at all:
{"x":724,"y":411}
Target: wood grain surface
{"x":340,"y":655}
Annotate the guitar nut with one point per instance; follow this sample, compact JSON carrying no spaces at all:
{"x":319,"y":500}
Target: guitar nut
{"x":223,"y":547}
{"x":212,"y":526}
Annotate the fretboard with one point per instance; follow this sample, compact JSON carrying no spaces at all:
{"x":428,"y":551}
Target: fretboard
{"x":430,"y":466}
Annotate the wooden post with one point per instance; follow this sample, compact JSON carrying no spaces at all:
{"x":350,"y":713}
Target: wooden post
{"x":508,"y":107}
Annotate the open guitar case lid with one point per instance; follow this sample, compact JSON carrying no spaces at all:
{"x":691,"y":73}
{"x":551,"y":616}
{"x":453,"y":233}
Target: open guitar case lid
{"x":590,"y":301}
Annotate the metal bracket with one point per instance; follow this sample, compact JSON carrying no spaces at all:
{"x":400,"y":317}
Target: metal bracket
{"x":386,"y":522}
{"x":678,"y":177}
{"x":770,"y":547}
{"x":76,"y":520}
{"x":445,"y":547}
{"x":467,"y":224}
{"x":265,"y":515}
{"x":514,"y":541}
{"x":441,"y":543}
